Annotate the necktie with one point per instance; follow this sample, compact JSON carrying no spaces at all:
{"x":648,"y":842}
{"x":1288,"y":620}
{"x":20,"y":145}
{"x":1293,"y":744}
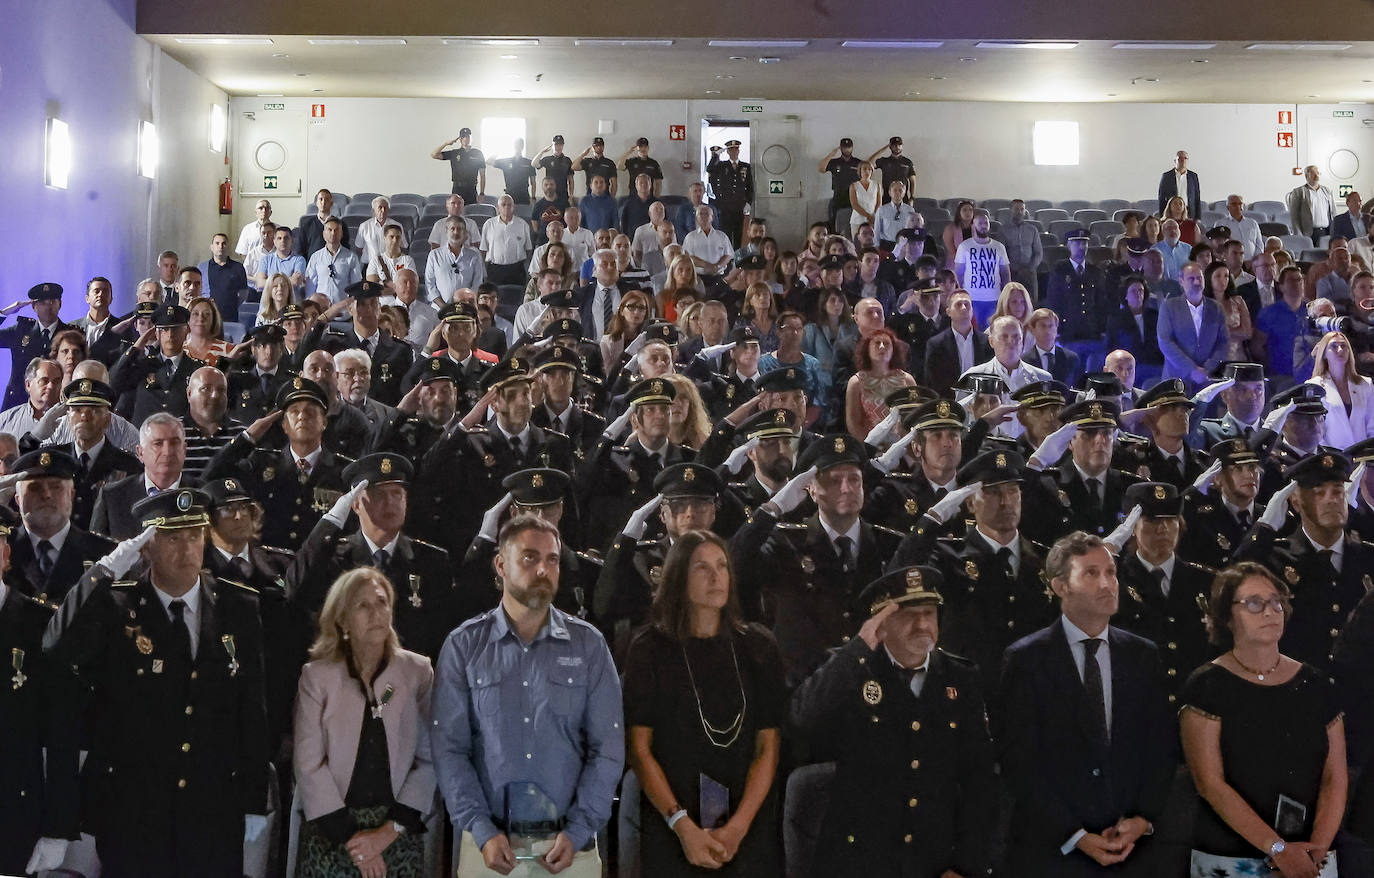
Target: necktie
{"x":1157,"y":574}
{"x":45,"y":558}
{"x":44,"y":339}
{"x":940,"y":494}
{"x":1329,"y":562}
{"x":1243,"y":517}
{"x":1094,"y":696}
{"x":380,"y":559}
{"x":1175,"y":466}
{"x":304,"y":466}
{"x":181,"y":635}
{"x":153,"y":491}
{"x":1247,"y":433}
{"x":242,"y":568}
{"x":85,"y":462}
{"x":606,"y":308}
{"x":1047,"y":362}
{"x":264,"y":380}
{"x":516,"y":448}
{"x":1004,"y":558}
{"x":1095,"y":498}
{"x":844,"y":547}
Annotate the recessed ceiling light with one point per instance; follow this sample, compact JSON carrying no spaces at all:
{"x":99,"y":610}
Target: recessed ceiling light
{"x":1298,"y":47}
{"x":517,"y":91}
{"x":936,"y":78}
{"x":713,"y":91}
{"x":1167,"y":47}
{"x":769,"y":60}
{"x":1201,"y":60}
{"x":357,"y":41}
{"x":1111,"y":94}
{"x":509,"y":57}
{"x":738,"y":58}
{"x":302,"y":74}
{"x":911,"y":94}
{"x":503,"y":41}
{"x":892,"y":44}
{"x":758,"y":44}
{"x":1314,"y":96}
{"x":317,"y":90}
{"x":274,"y":95}
{"x":725,"y":76}
{"x":592,"y":43}
{"x":280,"y":56}
{"x":967,"y":60}
{"x":224,"y":41}
{"x":1025,"y":44}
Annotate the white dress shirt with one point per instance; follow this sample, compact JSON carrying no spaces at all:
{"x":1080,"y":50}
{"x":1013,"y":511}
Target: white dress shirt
{"x":1076,"y":637}
{"x":581,"y":244}
{"x":438,"y":236}
{"x":1337,"y":549}
{"x":505,"y":243}
{"x":964,"y":344}
{"x":710,"y":248}
{"x":852,"y":533}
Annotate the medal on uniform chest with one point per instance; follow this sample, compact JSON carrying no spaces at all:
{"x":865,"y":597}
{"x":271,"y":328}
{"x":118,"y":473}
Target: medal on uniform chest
{"x":1291,"y":575}
{"x":971,"y":569}
{"x":415,"y":600}
{"x":386,"y":372}
{"x":1224,"y":543}
{"x":911,"y":507}
{"x":24,"y":342}
{"x":157,"y":666}
{"x":544,"y":458}
{"x":872,"y":692}
{"x":633,"y":475}
{"x":229,"y":647}
{"x":17,"y":661}
{"x":1135,"y":595}
{"x":488,"y":460}
{"x":730,"y":392}
{"x":144,"y":644}
{"x":150,"y":380}
{"x":951,"y":693}
{"x":807,"y":565}
{"x":381,"y":702}
{"x":269,"y":474}
{"x":1064,"y":498}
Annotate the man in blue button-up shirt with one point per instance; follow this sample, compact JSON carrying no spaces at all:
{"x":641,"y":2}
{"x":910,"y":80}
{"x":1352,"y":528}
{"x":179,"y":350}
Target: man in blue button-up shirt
{"x":527,"y":694}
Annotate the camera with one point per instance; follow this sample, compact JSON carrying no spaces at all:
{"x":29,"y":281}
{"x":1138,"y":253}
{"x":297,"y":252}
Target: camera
{"x":1332,"y":324}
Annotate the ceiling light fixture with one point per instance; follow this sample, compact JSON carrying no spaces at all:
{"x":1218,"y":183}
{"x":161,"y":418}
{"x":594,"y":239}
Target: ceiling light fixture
{"x":224,"y":41}
{"x":1025,"y":44}
{"x":758,"y":44}
{"x":713,"y":91}
{"x":623,"y":44}
{"x":769,"y":60}
{"x":892,"y":44}
{"x":357,"y":41}
{"x":509,"y":42}
{"x":1166,"y":47}
{"x":1297,"y":47}
{"x":508,"y":57}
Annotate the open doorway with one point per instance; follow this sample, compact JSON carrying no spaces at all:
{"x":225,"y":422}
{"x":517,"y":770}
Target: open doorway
{"x":715,"y":132}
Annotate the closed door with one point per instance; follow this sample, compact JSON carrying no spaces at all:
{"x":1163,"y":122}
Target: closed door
{"x":270,"y":162}
{"x":1343,"y":150}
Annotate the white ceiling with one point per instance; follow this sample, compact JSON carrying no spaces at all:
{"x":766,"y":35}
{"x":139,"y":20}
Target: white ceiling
{"x":1228,"y":72}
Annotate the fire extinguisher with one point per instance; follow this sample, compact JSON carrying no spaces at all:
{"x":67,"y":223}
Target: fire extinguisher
{"x":226,"y":197}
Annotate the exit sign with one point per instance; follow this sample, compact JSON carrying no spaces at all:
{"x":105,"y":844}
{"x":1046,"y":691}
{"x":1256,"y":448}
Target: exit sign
{"x":1345,"y":189}
{"x":274,"y":106}
{"x":775,"y":187}
{"x":751,"y":108}
{"x":269,"y":182}
{"x":1342,"y":114}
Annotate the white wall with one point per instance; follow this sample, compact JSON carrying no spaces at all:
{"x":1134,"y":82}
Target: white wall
{"x":981,"y":150}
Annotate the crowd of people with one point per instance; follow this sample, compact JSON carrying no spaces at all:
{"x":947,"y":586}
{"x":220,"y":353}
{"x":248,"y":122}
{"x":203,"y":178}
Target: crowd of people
{"x":872,"y":554}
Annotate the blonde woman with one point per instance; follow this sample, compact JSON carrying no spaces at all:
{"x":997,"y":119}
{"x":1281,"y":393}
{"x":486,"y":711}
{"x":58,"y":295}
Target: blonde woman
{"x":1349,"y":395}
{"x":205,"y":332}
{"x":689,"y":322}
{"x":362,"y":756}
{"x":682,"y":277}
{"x":688,"y":422}
{"x":1015,"y":301}
{"x":276,"y":295}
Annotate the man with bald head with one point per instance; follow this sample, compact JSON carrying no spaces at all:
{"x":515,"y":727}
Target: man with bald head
{"x":1122,"y":364}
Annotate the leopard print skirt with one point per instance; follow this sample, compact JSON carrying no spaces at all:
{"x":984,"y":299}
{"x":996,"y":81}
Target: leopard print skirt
{"x":320,"y":858}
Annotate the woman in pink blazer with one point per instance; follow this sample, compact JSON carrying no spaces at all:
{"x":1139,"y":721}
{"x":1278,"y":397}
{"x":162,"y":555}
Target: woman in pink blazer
{"x":362,"y":757}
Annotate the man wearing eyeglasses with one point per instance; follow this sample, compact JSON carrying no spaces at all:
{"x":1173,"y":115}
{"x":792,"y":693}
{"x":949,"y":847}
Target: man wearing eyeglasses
{"x":333,"y":268}
{"x":455,"y":265}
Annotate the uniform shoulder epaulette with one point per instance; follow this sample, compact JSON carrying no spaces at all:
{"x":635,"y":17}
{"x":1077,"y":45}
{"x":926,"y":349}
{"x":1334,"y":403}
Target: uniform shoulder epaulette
{"x":329,"y":330}
{"x":239,"y":585}
{"x":590,"y":558}
{"x":38,"y":602}
{"x":790,"y":526}
{"x":427,"y":545}
{"x":124,"y":583}
{"x":1202,"y":567}
{"x":1133,"y":439}
{"x":640,"y":544}
{"x":274,"y":550}
{"x":621,"y":448}
{"x":889,"y":531}
{"x":949,"y":540}
{"x":961,"y":661}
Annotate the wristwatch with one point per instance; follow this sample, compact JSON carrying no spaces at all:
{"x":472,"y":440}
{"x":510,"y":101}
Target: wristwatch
{"x":1277,"y":848}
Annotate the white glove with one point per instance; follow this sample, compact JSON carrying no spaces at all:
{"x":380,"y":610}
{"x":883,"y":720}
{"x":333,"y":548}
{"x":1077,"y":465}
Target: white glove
{"x":47,"y":425}
{"x":338,"y":513}
{"x":9,"y":484}
{"x":619,"y":427}
{"x":253,"y":825}
{"x":1352,"y":487}
{"x":123,"y":556}
{"x":1118,"y":538}
{"x":1053,"y":447}
{"x":735,"y":462}
{"x":1277,"y":510}
{"x":634,"y":528}
{"x":1211,"y":391}
{"x":47,"y":854}
{"x":491,"y":519}
{"x":1277,"y":417}
{"x":542,"y":343}
{"x":1204,"y":482}
{"x":790,"y":495}
{"x":638,"y":344}
{"x":888,"y":460}
{"x":883,"y":428}
{"x":716,"y":349}
{"x":945,"y":508}
{"x":1088,"y":395}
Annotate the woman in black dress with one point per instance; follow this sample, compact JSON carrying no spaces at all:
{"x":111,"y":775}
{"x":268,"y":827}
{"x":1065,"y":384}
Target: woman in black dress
{"x":704,"y":702}
{"x":1264,"y":740}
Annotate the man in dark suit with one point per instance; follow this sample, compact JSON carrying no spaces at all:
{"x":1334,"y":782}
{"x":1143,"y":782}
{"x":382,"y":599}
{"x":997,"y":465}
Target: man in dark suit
{"x":914,"y":790}
{"x":162,"y":451}
{"x":30,"y":337}
{"x":175,"y":783}
{"x":391,"y":357}
{"x":154,"y":380}
{"x":807,"y":577}
{"x":310,"y":236}
{"x":48,"y":553}
{"x":1169,"y":186}
{"x":1349,"y":225}
{"x":1085,"y":734}
{"x":102,"y":342}
{"x":954,"y":351}
{"x":1064,"y":364}
{"x":598,"y":300}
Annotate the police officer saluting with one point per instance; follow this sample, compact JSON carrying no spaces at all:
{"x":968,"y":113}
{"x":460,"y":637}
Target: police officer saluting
{"x":914,"y":793}
{"x":150,"y":379}
{"x":253,"y":390}
{"x":732,"y":188}
{"x":29,"y":337}
{"x":176,"y":780}
{"x":1221,"y":505}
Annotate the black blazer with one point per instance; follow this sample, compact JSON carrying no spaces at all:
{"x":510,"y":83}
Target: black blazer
{"x":113,"y":516}
{"x":1168,"y":188}
{"x":585,"y":296}
{"x":109,"y":344}
{"x":1062,"y":779}
{"x":79,"y":551}
{"x":1065,"y":364}
{"x":942,"y":359}
{"x":1342,"y":226}
{"x":1124,"y":333}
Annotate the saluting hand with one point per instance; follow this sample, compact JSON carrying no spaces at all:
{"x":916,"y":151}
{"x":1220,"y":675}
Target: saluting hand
{"x":259,"y":428}
{"x":15,"y":306}
{"x":410,"y":403}
{"x":871,"y":632}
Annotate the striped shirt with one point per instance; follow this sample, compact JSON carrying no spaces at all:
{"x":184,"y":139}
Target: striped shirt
{"x":200,"y":448}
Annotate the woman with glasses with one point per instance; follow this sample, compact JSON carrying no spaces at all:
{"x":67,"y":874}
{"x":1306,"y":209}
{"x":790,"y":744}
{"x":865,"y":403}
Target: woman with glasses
{"x":1264,"y":740}
{"x":631,"y":317}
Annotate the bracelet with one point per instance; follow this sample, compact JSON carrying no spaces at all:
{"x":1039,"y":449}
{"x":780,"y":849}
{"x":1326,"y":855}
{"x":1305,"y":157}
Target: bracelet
{"x":397,"y":828}
{"x":675,"y":817}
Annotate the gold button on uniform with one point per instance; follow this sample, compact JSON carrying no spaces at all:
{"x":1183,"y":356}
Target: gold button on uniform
{"x":188,"y":710}
{"x":907,"y":838}
{"x":181,"y":784}
{"x":915,"y":725}
{"x":849,"y":838}
{"x":911,"y":803}
{"x":186,"y":747}
{"x":915,"y":764}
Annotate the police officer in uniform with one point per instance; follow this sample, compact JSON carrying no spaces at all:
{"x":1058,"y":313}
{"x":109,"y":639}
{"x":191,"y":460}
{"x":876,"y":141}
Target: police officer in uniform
{"x":536,"y":491}
{"x":1076,"y":291}
{"x":48,"y":553}
{"x":1221,"y":505}
{"x":420,"y":573}
{"x":391,"y":357}
{"x":994,"y":580}
{"x":28,"y":337}
{"x":1038,"y":405}
{"x":687,"y":497}
{"x":154,"y":380}
{"x":557,"y":369}
{"x":26,"y":689}
{"x":253,"y":389}
{"x":424,"y":413}
{"x":807,"y":576}
{"x":1084,"y":492}
{"x":567,"y":331}
{"x":1162,"y":595}
{"x":1327,"y":569}
{"x":761,"y":465}
{"x":721,"y":393}
{"x":783,"y":388}
{"x":914,"y":793}
{"x":1291,"y":432}
{"x":296,"y":484}
{"x":618,"y":479}
{"x":176,"y":780}
{"x":732,"y":188}
{"x":88,"y":403}
{"x":458,"y":330}
{"x":1167,"y":408}
{"x":899,"y":500}
{"x":1247,"y":392}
